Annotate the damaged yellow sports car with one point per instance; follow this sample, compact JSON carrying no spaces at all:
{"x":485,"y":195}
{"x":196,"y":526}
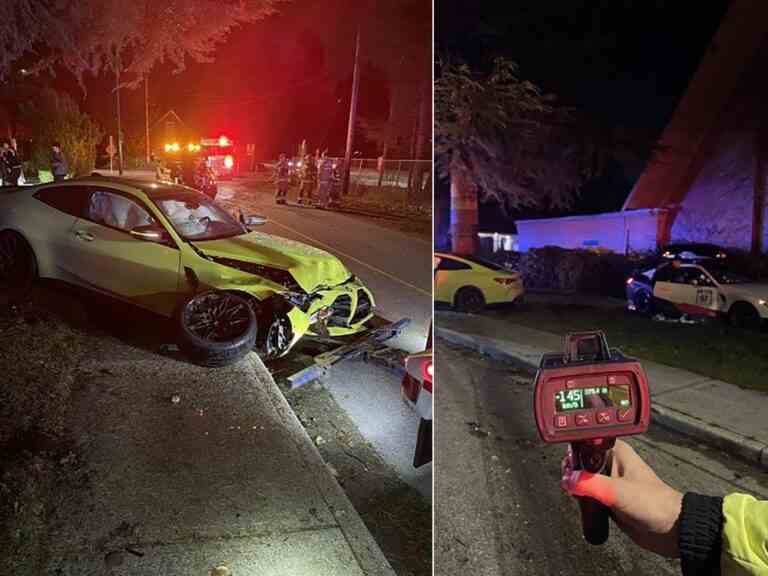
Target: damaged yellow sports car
{"x":176,"y":252}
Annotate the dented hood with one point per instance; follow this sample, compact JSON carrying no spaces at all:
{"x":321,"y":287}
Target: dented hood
{"x":311,"y":267}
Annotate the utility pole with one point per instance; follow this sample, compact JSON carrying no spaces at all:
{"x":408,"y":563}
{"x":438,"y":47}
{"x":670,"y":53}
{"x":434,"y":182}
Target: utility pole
{"x":119,"y":124}
{"x":352,"y":117}
{"x":146,"y":113}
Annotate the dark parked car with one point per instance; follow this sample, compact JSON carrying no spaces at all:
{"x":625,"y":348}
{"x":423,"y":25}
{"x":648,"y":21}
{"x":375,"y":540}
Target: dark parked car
{"x":693,"y":251}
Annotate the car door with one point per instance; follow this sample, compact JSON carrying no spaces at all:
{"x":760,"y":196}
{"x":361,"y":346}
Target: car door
{"x":688,"y":288}
{"x":109,"y":258}
{"x":450,"y":275}
{"x":664,"y":286}
{"x":50,"y":228}
{"x":699,"y":294}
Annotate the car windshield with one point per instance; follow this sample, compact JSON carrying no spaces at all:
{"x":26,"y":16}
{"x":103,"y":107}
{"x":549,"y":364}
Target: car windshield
{"x":196,"y":217}
{"x":725,"y":276}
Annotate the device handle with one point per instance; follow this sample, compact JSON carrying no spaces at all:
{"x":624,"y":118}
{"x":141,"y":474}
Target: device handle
{"x":573,"y":340}
{"x":594,"y":521}
{"x":592,"y":457}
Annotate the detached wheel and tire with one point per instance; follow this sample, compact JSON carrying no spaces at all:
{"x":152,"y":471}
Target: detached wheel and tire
{"x":216,"y":328}
{"x":745,"y":316}
{"x":18,"y":266}
{"x":469,"y":299}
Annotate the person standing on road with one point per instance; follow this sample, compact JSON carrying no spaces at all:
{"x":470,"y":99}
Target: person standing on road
{"x":11,"y":165}
{"x":59,"y":165}
{"x":325,"y":181}
{"x":308,"y":178}
{"x":711,"y":535}
{"x":282,"y":178}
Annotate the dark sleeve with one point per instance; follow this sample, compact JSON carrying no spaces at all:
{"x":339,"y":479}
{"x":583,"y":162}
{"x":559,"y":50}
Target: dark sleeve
{"x":700,"y":540}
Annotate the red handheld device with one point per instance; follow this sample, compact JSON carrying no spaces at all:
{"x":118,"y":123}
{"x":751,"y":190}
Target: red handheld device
{"x":589,"y":395}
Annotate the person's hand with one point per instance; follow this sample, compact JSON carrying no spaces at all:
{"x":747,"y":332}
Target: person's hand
{"x":644,"y":507}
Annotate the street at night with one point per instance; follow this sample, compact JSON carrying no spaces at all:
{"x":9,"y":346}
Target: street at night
{"x":200,"y":375}
{"x":499,"y":505}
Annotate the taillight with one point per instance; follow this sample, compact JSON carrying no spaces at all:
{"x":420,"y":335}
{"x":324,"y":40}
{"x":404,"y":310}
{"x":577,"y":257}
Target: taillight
{"x":428,"y":371}
{"x":506,"y":280}
{"x":229,"y":161}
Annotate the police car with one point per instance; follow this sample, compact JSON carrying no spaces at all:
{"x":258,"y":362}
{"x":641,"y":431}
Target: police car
{"x":700,"y":288}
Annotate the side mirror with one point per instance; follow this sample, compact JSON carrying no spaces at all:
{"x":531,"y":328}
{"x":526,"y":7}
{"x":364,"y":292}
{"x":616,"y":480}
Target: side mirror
{"x":151,"y":233}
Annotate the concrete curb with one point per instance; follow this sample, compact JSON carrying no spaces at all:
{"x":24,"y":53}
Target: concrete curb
{"x":360,"y":540}
{"x":748,"y":449}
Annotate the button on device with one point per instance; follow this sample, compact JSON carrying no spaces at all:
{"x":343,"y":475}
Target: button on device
{"x":582,"y":419}
{"x":603,"y":417}
{"x":624,"y":414}
{"x":561,"y":421}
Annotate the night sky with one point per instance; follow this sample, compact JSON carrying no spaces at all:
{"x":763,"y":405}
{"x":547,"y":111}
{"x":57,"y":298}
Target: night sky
{"x":624,"y":62}
{"x":285,"y":78}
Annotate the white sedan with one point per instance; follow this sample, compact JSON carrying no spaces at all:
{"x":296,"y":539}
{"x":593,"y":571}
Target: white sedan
{"x":703,"y":288}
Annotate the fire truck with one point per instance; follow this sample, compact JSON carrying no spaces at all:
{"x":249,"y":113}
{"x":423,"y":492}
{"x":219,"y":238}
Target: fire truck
{"x":219,"y":154}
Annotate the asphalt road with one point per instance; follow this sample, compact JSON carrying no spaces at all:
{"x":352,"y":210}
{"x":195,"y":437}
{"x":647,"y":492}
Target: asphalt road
{"x":499,"y":507}
{"x":397,"y":268}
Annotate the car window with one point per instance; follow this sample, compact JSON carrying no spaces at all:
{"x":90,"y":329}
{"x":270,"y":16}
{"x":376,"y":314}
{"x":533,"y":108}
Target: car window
{"x":196,"y":217}
{"x":726,"y":276}
{"x":117,"y":211}
{"x":486,"y":263}
{"x":451,"y":264}
{"x":663,"y":274}
{"x":695,"y":277}
{"x":68,"y":199}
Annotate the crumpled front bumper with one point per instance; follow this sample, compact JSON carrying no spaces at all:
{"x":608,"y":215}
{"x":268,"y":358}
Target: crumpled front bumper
{"x":341,"y":310}
{"x":334,"y":311}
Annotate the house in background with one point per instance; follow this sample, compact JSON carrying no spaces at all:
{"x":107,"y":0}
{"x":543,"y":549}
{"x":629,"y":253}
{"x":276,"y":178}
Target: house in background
{"x":707,"y":182}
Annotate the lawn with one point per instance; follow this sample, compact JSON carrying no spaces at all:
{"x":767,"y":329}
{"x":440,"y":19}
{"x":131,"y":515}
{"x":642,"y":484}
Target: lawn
{"x":716,"y":350}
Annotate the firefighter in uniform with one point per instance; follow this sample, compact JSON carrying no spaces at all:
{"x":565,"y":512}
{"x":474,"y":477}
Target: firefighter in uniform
{"x":308,"y":178}
{"x":325,"y":181}
{"x":283,"y":179}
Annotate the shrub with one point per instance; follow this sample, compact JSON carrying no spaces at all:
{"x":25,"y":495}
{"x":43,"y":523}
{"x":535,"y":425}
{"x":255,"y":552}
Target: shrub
{"x":55,"y":116}
{"x":553,"y":269}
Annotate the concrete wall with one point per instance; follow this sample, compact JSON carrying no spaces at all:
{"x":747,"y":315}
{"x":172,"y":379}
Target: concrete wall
{"x":621,"y":232}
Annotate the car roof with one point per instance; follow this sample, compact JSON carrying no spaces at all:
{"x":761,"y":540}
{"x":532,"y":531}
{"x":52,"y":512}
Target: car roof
{"x":151,"y":188}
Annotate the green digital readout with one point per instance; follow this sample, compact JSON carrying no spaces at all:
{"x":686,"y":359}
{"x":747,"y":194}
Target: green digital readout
{"x":595,"y":397}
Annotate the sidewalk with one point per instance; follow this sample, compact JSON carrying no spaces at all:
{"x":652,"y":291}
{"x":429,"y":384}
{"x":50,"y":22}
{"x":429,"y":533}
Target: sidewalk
{"x":224,"y":476}
{"x":711,"y":411}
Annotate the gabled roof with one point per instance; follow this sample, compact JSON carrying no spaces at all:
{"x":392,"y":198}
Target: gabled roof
{"x":667,"y":178}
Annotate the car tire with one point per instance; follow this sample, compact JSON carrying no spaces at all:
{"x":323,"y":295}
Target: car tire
{"x":469,"y":299}
{"x":216,"y":328}
{"x":745,"y":316}
{"x":643,"y":302}
{"x":18,"y":265}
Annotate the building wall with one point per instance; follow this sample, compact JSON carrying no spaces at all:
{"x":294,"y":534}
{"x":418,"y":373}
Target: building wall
{"x":718,"y":204}
{"x":620,"y":232}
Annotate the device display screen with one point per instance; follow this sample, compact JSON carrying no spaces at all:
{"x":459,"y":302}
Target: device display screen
{"x":594,"y":397}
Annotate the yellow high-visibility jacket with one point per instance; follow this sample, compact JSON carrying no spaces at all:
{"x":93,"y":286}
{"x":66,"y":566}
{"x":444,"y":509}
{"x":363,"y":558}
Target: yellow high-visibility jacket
{"x":745,"y":536}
